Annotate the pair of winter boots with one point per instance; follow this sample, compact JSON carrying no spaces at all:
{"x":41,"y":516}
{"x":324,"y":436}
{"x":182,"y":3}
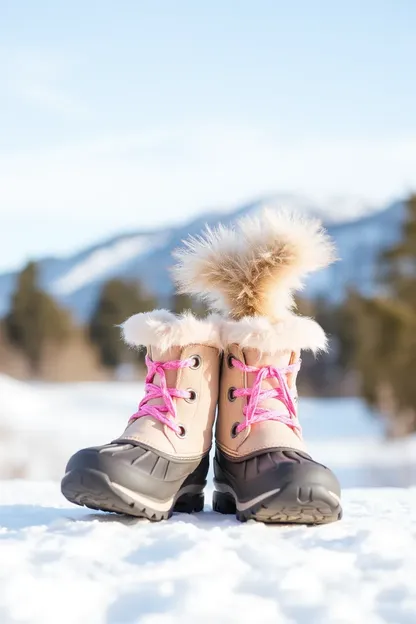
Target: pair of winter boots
{"x":240,"y":366}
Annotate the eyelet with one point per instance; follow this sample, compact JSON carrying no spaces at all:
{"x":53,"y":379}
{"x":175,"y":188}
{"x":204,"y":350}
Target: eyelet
{"x":192,"y":396}
{"x":230,"y":358}
{"x":234,"y":432}
{"x":182,"y":432}
{"x":231,"y":395}
{"x":197,"y":362}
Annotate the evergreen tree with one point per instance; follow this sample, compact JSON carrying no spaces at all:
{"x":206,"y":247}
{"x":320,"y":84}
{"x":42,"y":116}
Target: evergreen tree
{"x":182,"y":302}
{"x":34,"y":319}
{"x":323,"y":374}
{"x":117,"y":301}
{"x":400,"y":261}
{"x":385,"y":333}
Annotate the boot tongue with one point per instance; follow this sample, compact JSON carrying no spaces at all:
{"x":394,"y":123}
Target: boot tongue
{"x":253,"y":357}
{"x":157,"y":355}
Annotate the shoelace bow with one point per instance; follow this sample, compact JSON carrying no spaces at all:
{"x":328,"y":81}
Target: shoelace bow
{"x":166,"y":412}
{"x":252,"y":411}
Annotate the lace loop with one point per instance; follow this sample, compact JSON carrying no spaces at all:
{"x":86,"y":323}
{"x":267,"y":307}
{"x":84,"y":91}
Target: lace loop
{"x":252,"y":411}
{"x":166,"y":412}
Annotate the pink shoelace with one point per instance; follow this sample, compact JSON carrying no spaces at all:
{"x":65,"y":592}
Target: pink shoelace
{"x":166,"y":412}
{"x":252,"y":411}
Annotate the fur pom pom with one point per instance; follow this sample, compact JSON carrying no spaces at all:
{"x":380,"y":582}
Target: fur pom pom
{"x":162,"y":329}
{"x":254,"y":268}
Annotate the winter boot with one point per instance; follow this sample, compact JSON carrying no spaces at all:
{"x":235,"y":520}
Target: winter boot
{"x":262,"y":470}
{"x":160,"y":463}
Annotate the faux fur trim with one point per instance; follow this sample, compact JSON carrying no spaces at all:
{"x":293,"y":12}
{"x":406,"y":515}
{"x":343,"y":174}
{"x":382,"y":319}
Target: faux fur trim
{"x":163,"y":329}
{"x":294,"y":333}
{"x":253,"y":268}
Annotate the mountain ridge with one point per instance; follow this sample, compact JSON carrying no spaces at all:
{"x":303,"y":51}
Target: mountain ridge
{"x":75,"y":280}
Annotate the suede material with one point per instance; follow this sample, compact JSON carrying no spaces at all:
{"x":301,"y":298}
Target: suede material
{"x":263,"y":435}
{"x":196,"y":417}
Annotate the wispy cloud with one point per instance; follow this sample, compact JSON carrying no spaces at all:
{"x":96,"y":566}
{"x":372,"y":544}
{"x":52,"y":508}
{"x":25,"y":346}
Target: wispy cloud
{"x":150,"y":178}
{"x":39,"y":81}
{"x":52,"y":99}
{"x":76,"y":193}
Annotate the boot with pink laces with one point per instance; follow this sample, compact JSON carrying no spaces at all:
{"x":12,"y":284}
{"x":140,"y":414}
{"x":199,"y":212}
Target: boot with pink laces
{"x":262,"y":469}
{"x":159,"y":464}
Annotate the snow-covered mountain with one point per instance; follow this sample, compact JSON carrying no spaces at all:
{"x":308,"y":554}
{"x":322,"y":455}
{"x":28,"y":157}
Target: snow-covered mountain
{"x":360,"y":232}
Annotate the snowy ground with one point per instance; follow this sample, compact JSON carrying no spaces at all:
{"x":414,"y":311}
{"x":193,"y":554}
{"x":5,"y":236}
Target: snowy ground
{"x":62,"y":564}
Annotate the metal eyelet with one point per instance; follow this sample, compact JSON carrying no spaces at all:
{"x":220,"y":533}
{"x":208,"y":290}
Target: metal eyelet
{"x":192,"y":395}
{"x":182,"y":432}
{"x":234,"y":432}
{"x":197,"y":362}
{"x":230,"y":358}
{"x":230,"y":394}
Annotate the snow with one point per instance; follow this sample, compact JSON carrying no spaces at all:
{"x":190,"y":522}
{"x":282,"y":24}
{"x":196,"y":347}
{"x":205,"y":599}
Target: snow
{"x":106,"y":262}
{"x":74,"y":566}
{"x":63,"y":564}
{"x":331,"y":209}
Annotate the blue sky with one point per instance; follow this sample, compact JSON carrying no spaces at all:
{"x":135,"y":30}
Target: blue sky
{"x":131,"y":114}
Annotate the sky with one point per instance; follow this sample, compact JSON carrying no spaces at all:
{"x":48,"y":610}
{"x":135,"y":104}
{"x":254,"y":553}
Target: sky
{"x":141,"y":113}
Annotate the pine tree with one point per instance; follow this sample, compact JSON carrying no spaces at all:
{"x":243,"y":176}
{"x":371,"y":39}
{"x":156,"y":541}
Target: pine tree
{"x":385,"y":334}
{"x":35,"y":319}
{"x":325,"y":374}
{"x":182,"y":302}
{"x":117,"y":301}
{"x":400,"y":261}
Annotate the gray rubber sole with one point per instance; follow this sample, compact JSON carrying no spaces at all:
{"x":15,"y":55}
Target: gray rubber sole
{"x":310,"y":504}
{"x":276,"y":486}
{"x":129,"y":478}
{"x":93,"y":489}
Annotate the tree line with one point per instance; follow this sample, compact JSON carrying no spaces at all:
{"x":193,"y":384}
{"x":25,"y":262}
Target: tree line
{"x":36,"y":321}
{"x":373,"y":339}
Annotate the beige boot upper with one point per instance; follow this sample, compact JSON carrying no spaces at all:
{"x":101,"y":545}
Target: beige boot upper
{"x":261,"y":343}
{"x":263,"y":435}
{"x":172,"y":338}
